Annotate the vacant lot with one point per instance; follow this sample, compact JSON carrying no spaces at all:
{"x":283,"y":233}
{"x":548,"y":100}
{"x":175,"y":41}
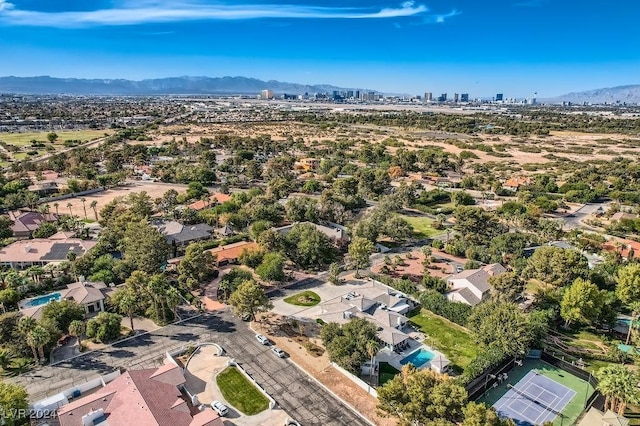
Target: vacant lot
{"x":153,"y":189}
{"x":21,"y":139}
{"x":241,"y":393}
{"x":449,"y":338}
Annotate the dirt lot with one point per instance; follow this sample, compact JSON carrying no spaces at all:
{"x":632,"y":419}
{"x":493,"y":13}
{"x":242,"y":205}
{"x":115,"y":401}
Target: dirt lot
{"x":153,"y":189}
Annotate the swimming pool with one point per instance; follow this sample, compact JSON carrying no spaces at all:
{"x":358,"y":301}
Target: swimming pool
{"x":40,"y":300}
{"x":418,"y":358}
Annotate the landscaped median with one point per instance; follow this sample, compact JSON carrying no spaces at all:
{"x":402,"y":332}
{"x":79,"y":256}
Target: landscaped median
{"x":305,"y":298}
{"x":240,"y":392}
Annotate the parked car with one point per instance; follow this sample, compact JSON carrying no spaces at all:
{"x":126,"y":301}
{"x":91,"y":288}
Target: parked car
{"x":65,"y":339}
{"x":219,"y":408}
{"x":459,"y":268}
{"x":279,"y":352}
{"x":291,"y":422}
{"x":260,"y":338}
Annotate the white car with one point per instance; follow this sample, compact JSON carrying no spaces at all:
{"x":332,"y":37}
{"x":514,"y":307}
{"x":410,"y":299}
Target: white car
{"x":260,"y":338}
{"x":279,"y":352}
{"x":219,"y":408}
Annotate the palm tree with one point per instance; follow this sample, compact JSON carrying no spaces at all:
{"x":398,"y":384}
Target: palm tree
{"x":157,"y":289}
{"x":127,"y":302}
{"x":77,"y":328}
{"x":633,"y":324}
{"x":174,"y":299}
{"x":5,"y":358}
{"x":56,"y":205}
{"x":69,"y":205}
{"x":372,"y":350}
{"x":44,"y":209}
{"x":619,"y":386}
{"x":84,"y":206}
{"x":38,"y":338}
{"x":94,"y":205}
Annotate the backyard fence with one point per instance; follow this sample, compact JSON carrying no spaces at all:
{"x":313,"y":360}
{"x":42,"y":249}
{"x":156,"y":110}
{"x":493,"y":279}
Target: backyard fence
{"x":479,"y":385}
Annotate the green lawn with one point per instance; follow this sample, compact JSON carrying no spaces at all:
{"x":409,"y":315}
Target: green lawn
{"x":306,"y":298}
{"x":387,"y":372}
{"x":451,"y":339}
{"x":22,"y":139}
{"x":421,"y":226}
{"x":241,"y":393}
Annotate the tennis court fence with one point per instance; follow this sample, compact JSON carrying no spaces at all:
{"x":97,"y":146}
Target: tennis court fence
{"x":478,"y":386}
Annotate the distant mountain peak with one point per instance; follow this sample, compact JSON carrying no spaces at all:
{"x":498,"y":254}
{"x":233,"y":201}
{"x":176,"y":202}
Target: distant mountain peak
{"x":191,"y":85}
{"x":628,"y":93}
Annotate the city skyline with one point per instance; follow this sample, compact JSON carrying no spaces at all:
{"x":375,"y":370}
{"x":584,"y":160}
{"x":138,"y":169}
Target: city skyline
{"x":514,"y":47}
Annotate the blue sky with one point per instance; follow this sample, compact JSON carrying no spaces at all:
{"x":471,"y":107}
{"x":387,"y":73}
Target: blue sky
{"x":517,"y":47}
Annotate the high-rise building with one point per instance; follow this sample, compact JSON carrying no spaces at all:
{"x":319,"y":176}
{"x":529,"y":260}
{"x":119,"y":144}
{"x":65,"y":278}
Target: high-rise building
{"x":456,"y":97}
{"x":357,"y":94}
{"x":499,"y":97}
{"x":443,"y":98}
{"x":464,"y":97}
{"x":266,"y":94}
{"x":428,"y":96}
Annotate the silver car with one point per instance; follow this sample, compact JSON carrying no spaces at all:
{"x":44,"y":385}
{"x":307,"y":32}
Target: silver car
{"x":279,"y":352}
{"x":260,"y":338}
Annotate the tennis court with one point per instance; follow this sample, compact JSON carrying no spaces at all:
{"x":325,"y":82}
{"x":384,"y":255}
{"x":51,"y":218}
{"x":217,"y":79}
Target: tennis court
{"x":534,"y":400}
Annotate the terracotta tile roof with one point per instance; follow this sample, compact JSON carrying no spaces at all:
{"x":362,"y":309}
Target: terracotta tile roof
{"x":139,"y":397}
{"x":233,"y":251}
{"x":626,"y":248}
{"x":217,"y":198}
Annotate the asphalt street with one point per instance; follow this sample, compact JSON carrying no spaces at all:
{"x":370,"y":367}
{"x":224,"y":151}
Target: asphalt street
{"x":299,"y":395}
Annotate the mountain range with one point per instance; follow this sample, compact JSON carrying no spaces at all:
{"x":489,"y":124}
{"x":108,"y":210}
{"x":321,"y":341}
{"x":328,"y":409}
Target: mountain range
{"x":629,"y":94}
{"x":159,"y":86}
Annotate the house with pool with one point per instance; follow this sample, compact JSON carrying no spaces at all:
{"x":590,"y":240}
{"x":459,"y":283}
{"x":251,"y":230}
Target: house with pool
{"x":89,"y":295}
{"x":384,"y":307}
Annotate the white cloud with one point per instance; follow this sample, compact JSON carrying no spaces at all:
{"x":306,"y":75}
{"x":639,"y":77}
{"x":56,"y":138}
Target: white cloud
{"x":132,"y":12}
{"x":5,"y":5}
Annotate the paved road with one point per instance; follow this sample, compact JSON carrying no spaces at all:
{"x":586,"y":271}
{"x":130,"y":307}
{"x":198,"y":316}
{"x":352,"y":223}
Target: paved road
{"x":292,"y":389}
{"x":575,"y":220}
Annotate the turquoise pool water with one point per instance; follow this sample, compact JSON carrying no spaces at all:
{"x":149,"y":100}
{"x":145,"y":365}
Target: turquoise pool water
{"x":627,"y":348}
{"x":623,"y":321}
{"x":42,"y":300}
{"x":418,"y":358}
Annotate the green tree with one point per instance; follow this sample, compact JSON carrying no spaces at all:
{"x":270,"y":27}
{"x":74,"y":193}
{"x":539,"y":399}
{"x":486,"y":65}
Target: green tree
{"x":252,"y":257}
{"x":307,"y":247}
{"x":420,"y":397}
{"x":272,"y":267}
{"x":14,"y":403}
{"x":45,"y":230}
{"x":5,"y":227}
{"x":507,"y":287}
{"x":62,"y":313}
{"x":581,"y":303}
{"x":556,"y":266}
{"x":478,"y":414}
{"x":628,"y":283}
{"x":334,"y":273}
{"x":94,"y":207}
{"x":397,"y":228}
{"x":77,"y":328}
{"x":249,"y":299}
{"x":360,"y":249}
{"x":145,"y":247}
{"x":504,"y":327}
{"x":197,"y":267}
{"x":347,"y":344}
{"x":9,"y":297}
{"x":127,"y":302}
{"x":104,"y":327}
{"x":476,"y":225}
{"x":52,"y":137}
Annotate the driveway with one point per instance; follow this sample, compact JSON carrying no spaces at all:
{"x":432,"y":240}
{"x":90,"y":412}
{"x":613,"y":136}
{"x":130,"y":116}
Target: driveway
{"x":293,"y":390}
{"x":67,"y":351}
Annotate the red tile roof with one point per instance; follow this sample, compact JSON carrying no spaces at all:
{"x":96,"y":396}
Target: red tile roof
{"x":626,"y":248}
{"x":217,"y":198}
{"x":232,"y":251}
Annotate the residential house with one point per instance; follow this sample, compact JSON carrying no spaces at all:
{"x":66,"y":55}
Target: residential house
{"x":336,"y":233}
{"x":472,"y":286}
{"x":89,"y":295}
{"x":307,"y":164}
{"x":153,"y":397}
{"x":513,"y":184}
{"x":628,"y":249}
{"x":595,"y":417}
{"x":179,"y":235}
{"x":46,"y":182}
{"x":229,"y":254}
{"x":43,"y":251}
{"x":217,"y":198}
{"x":24,"y":223}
